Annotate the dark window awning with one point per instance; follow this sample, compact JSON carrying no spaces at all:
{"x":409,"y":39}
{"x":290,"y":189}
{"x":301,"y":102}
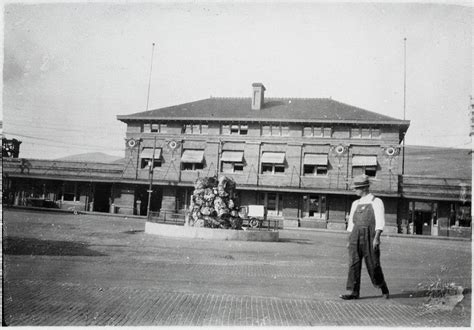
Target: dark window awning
{"x":315,"y":159}
{"x":273,"y":157}
{"x":232,"y":156}
{"x":148,"y":153}
{"x":192,"y":156}
{"x":364,"y":161}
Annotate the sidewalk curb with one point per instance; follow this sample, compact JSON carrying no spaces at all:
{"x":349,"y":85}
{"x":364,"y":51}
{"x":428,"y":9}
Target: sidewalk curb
{"x":51,"y":210}
{"x":41,"y":209}
{"x":384,"y":234}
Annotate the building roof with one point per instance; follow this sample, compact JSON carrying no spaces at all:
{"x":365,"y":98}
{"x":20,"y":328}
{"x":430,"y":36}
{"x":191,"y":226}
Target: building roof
{"x":274,"y":110}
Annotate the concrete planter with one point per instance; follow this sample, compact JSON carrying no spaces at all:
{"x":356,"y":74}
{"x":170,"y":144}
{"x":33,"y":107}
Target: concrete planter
{"x":336,"y":225}
{"x":211,"y":234}
{"x":290,"y":223}
{"x":313,"y":223}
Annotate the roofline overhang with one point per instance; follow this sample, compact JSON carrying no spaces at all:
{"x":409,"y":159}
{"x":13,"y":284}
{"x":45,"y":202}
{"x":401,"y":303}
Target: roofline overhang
{"x":433,"y":198}
{"x":403,"y":123}
{"x":62,"y":178}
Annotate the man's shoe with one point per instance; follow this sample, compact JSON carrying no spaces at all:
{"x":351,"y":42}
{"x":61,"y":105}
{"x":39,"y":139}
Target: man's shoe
{"x":385,"y":292}
{"x":351,"y":296}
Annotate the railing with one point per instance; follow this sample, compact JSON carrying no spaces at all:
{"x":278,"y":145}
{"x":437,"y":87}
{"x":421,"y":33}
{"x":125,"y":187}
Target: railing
{"x":179,"y":219}
{"x":261,"y":224}
{"x":167,"y":217}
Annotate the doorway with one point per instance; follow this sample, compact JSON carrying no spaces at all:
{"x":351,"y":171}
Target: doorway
{"x":423,"y":216}
{"x":102,"y":194}
{"x":141,"y":194}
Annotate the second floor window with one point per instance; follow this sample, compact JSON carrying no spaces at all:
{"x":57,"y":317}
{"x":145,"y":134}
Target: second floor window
{"x":364,"y":165}
{"x":273,"y":163}
{"x":192,"y":160}
{"x":195,"y":129}
{"x":232,"y":162}
{"x":315,"y":164}
{"x":147,"y":160}
{"x":230,"y":167}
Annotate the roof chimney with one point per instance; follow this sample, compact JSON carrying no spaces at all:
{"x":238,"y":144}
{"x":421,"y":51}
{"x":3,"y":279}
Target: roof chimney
{"x":258,"y":91}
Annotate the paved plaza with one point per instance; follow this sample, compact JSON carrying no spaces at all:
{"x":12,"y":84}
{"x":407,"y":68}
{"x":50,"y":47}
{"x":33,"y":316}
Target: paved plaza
{"x":88,"y":269}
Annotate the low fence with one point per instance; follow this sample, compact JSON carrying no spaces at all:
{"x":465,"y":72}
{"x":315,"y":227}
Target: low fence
{"x":179,"y":219}
{"x":264,"y":224}
{"x":171,"y":218}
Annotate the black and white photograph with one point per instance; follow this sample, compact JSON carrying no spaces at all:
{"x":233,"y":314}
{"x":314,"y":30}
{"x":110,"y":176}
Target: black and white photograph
{"x":237,"y":163}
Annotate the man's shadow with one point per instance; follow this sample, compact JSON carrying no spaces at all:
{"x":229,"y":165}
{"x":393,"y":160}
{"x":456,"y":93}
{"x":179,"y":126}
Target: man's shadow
{"x":413,"y":294}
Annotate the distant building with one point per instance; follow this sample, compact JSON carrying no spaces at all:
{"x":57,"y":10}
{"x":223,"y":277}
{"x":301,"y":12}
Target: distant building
{"x":10,"y":148}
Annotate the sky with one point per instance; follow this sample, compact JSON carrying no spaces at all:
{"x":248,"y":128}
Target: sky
{"x":70,"y":68}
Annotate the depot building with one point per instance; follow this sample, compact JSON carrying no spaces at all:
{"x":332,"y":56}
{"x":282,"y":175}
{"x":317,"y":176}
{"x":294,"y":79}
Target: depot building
{"x":295,"y":156}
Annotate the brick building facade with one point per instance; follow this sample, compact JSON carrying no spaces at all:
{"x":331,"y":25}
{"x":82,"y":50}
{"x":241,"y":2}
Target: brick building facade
{"x":295,"y":156}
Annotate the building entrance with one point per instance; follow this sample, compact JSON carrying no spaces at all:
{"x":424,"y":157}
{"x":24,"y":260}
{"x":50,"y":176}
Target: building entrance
{"x":423,"y":217}
{"x":141,"y":198}
{"x":102,"y":192}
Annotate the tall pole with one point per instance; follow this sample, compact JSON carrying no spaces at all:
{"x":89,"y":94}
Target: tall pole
{"x":404,"y":99}
{"x":150,"y":176}
{"x":149,"y":78}
{"x":472,"y":153}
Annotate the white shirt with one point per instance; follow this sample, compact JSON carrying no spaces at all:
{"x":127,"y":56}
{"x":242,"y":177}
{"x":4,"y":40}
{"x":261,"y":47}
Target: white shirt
{"x":377,"y":205}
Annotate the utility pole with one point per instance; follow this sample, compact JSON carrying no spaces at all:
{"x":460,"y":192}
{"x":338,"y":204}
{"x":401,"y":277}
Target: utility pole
{"x":404,"y":100}
{"x":471,"y":110}
{"x":150,"y":176}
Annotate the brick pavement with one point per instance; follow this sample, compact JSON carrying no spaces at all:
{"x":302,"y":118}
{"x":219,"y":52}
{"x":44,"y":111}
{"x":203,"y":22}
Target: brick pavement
{"x":87,"y":270}
{"x":68,"y":304}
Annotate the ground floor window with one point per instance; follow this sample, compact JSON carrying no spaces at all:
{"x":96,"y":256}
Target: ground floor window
{"x":314,"y":206}
{"x":273,"y":203}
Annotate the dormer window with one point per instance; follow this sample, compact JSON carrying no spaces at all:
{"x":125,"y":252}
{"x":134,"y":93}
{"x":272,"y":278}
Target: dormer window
{"x":317,"y":131}
{"x":235,"y":129}
{"x":154,"y":128}
{"x":365,"y":132}
{"x":195,"y":129}
{"x":275,"y":130}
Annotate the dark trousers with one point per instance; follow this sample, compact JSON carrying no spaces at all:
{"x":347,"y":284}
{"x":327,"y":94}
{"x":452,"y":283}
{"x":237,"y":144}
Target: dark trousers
{"x":360,"y":247}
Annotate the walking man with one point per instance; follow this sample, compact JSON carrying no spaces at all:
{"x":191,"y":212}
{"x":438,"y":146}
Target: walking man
{"x":366,"y":222}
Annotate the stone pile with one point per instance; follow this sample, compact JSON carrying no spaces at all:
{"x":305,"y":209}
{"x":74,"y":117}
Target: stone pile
{"x":213,"y":204}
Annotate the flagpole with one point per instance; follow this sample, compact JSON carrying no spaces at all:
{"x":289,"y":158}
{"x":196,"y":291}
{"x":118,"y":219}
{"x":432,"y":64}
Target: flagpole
{"x":149,"y":78}
{"x":404,"y":100}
